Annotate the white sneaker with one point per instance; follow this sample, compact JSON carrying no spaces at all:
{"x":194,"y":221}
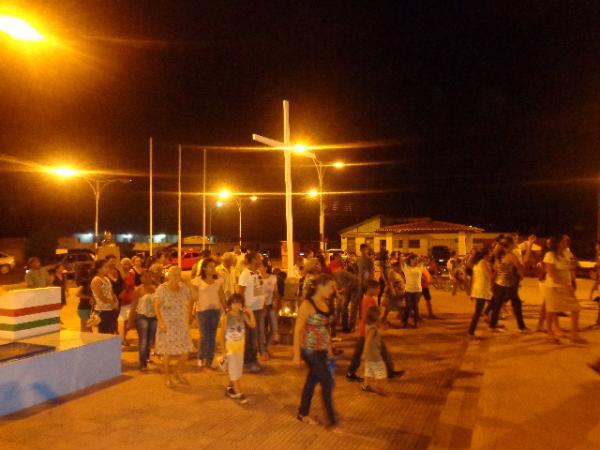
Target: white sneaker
{"x":200,"y":363}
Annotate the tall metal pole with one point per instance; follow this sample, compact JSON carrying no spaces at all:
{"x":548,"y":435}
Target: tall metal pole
{"x":151,"y":237}
{"x":97,"y":198}
{"x":179,"y":210}
{"x":289,"y":218}
{"x":320,"y":169}
{"x":239,"y":202}
{"x":204,"y":203}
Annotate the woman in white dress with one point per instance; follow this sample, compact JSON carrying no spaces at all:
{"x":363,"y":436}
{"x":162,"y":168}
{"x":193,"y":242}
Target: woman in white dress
{"x":173,"y":305}
{"x":559,"y":292}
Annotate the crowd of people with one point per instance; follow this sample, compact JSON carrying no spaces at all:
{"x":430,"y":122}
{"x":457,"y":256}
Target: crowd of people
{"x":235,"y":300}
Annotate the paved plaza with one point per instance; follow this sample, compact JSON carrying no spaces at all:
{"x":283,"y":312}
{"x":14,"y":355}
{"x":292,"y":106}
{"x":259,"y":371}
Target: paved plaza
{"x":503,"y":391}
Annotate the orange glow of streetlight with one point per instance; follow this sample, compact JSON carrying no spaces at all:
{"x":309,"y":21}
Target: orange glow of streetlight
{"x":300,"y":148}
{"x":19,"y":29}
{"x":65,"y":172}
{"x":224,"y":194}
{"x":313,"y":193}
{"x":338,"y":164}
{"x":219,"y":204}
{"x":254,"y":198}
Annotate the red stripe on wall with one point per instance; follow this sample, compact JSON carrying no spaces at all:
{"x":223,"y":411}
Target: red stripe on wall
{"x":31,"y":310}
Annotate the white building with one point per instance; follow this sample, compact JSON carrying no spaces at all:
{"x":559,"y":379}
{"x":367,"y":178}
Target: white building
{"x":413,"y":235}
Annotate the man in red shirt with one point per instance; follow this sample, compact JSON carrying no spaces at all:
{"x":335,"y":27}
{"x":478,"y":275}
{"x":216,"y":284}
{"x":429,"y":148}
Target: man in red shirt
{"x":369,"y":300}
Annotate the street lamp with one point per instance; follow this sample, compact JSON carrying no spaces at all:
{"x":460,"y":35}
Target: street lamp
{"x":321,"y":169}
{"x":19,"y":29}
{"x":210,"y":213}
{"x":225,"y":195}
{"x":97,"y":185}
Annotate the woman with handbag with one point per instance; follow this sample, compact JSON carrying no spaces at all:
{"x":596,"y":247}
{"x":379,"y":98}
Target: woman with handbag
{"x":106,"y":305}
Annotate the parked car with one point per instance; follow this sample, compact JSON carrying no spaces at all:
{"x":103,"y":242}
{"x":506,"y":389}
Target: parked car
{"x":77,"y":262}
{"x":189,"y":257}
{"x":7,"y":263}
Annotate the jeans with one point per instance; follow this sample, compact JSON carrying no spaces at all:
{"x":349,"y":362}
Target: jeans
{"x":108,"y":321}
{"x":271,"y":319}
{"x":208,"y":321}
{"x":253,"y":343}
{"x":358,"y":350}
{"x":412,"y":304}
{"x":352,"y":298}
{"x":479,"y":304}
{"x":146,"y":329}
{"x":318,"y":372}
{"x":503,"y":294}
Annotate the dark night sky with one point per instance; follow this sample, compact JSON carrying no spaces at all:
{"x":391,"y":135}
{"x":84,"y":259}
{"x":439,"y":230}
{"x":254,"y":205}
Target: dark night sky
{"x":494,"y":108}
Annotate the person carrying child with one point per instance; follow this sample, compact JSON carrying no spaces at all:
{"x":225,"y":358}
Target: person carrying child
{"x":233,"y":325}
{"x":375,"y":371}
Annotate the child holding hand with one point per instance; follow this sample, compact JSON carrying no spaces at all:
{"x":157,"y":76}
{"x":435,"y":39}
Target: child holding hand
{"x":375,"y":370}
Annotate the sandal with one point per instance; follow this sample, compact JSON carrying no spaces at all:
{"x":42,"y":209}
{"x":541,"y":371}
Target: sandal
{"x":307,"y":420}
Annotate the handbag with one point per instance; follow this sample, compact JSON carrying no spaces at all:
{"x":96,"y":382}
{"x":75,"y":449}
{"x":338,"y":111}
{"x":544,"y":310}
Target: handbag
{"x":94,"y":319}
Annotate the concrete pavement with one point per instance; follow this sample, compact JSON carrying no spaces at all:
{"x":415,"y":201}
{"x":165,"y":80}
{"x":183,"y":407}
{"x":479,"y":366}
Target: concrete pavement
{"x":503,"y":391}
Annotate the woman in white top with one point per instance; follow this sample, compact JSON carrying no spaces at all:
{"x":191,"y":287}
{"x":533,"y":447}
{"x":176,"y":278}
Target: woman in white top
{"x":105,"y":300}
{"x":481,"y":287}
{"x":412,"y":274}
{"x":559,"y":292}
{"x":210,"y":301}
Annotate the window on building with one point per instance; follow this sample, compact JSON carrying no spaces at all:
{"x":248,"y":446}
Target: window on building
{"x":382,"y":245}
{"x":397,"y":244}
{"x":414,"y":243}
{"x":351,"y":245}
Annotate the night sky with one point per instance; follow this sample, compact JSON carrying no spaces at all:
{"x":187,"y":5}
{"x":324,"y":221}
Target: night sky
{"x":490,"y":111}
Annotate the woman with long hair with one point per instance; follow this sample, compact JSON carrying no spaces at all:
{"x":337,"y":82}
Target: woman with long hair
{"x":559,"y":293}
{"x":508,"y":271}
{"x":105,"y":300}
{"x":209,"y":302}
{"x":481,"y":287}
{"x":312,"y":343}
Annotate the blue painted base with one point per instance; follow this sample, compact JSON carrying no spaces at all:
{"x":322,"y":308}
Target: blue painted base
{"x":80,"y":360}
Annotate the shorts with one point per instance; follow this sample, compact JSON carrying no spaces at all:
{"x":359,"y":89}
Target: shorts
{"x":124,"y":312}
{"x":235,"y":365}
{"x":426,"y":294}
{"x":375,"y":370}
{"x":84,"y":314}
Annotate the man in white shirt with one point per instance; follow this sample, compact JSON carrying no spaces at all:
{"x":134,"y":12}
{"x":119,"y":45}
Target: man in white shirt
{"x":251,"y":286}
{"x":226,"y":272}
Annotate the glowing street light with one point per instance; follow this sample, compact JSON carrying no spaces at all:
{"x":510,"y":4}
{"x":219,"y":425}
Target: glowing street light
{"x":226,"y":194}
{"x":65,"y":172}
{"x":96,"y":184}
{"x":338,"y":164}
{"x":313,"y":193}
{"x":300,"y":148}
{"x":19,"y":29}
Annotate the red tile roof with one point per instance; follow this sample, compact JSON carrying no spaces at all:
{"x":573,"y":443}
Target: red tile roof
{"x":429,"y":226}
